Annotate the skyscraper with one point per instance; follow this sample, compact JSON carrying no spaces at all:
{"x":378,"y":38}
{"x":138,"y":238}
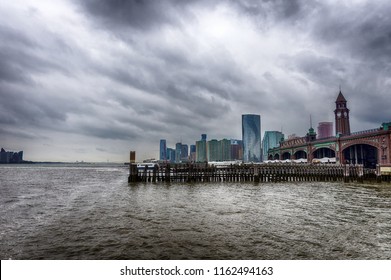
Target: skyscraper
{"x":170,"y":155}
{"x":213,"y":150}
{"x":163,"y":149}
{"x":184,"y":153}
{"x":225,"y":145}
{"x":271,"y":139}
{"x":251,"y":134}
{"x":325,"y":129}
{"x":201,"y":155}
{"x":193,"y":153}
{"x":178,"y":152}
{"x":236,"y":149}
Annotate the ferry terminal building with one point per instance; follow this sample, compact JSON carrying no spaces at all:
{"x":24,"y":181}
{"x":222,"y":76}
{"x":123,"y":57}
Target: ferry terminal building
{"x":370,"y":148}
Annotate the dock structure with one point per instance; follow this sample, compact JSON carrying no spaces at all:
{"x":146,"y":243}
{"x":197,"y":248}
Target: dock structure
{"x":255,"y":173}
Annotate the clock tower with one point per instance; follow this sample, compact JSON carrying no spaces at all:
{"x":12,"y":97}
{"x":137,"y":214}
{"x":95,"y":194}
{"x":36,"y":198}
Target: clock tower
{"x":342,"y":125}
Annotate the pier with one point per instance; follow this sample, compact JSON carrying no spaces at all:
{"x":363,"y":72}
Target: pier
{"x":202,"y":172}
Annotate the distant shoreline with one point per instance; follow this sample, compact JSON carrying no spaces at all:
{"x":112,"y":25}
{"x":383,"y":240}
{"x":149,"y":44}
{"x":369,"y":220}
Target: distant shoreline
{"x":62,"y":162}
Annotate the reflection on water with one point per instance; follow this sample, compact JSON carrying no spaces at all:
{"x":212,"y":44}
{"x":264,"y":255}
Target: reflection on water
{"x":90,"y":212}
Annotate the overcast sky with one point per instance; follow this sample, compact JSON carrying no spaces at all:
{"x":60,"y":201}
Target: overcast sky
{"x":91,"y":80}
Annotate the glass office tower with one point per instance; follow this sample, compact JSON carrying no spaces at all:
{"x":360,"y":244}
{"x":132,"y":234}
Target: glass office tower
{"x":225,"y":145}
{"x":213,"y":150}
{"x":201,"y":149}
{"x":184,"y":153}
{"x":178,"y":152}
{"x":163,"y":149}
{"x":171,"y":155}
{"x":251,"y":136}
{"x":201,"y":155}
{"x":271,"y":139}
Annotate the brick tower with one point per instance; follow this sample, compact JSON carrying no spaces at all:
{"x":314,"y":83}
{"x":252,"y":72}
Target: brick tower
{"x":342,"y":124}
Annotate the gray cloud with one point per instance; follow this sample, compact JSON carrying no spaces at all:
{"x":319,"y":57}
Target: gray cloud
{"x":137,"y":14}
{"x":123,"y":74}
{"x":362,"y":30}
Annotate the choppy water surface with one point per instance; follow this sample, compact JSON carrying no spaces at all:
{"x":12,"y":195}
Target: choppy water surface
{"x":90,"y":212}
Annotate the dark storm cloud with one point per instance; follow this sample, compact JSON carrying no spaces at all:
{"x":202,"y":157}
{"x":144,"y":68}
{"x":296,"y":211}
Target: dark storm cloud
{"x":278,"y":8}
{"x":29,"y":108}
{"x":17,"y":66}
{"x":360,"y":36}
{"x":145,"y":70}
{"x":108,"y":131}
{"x":138,"y":14}
{"x":21,"y":56}
{"x":7,"y":133}
{"x":12,"y":36}
{"x":362,"y":30}
{"x":316,"y":68}
{"x":194,"y":85}
{"x":11,"y":58}
{"x":25,"y":101}
{"x":149,"y":14}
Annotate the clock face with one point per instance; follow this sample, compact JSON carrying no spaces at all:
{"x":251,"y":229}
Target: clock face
{"x":345,"y":114}
{"x":338,"y":114}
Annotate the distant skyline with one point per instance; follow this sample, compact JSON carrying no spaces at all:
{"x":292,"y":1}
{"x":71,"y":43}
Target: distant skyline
{"x":92,"y":80}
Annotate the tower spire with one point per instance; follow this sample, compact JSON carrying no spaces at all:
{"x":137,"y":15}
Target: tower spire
{"x":310,"y":121}
{"x":311,"y":135}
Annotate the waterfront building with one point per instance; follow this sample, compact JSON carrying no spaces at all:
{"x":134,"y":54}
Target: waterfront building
{"x":271,"y":139}
{"x":11,"y":157}
{"x":370,"y":148}
{"x":251,"y":135}
{"x":325,"y":130}
{"x":163,"y":150}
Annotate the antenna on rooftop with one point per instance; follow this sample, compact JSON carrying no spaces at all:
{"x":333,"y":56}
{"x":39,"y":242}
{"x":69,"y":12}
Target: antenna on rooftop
{"x":310,"y":121}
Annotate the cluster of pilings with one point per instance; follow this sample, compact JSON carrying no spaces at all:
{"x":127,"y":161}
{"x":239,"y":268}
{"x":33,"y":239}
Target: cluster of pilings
{"x":254,"y":173}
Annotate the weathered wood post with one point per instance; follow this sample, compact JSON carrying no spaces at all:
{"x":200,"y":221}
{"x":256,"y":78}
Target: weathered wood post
{"x":167,"y":173}
{"x":145,"y":173}
{"x":360,"y":173}
{"x":133,"y":172}
{"x":378,"y":173}
{"x":346,"y":173}
{"x":256,"y":174}
{"x":155,"y":169}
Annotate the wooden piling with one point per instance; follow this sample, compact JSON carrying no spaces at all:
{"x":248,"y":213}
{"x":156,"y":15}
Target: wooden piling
{"x":255,"y":173}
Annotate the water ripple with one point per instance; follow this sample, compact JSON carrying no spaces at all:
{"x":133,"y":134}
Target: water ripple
{"x":87,"y":212}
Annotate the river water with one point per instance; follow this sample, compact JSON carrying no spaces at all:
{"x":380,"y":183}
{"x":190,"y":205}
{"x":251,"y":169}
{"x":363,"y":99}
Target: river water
{"x":90,"y":212}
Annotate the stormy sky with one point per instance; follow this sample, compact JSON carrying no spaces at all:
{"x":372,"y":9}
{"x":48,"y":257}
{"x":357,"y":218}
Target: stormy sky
{"x":91,"y":80}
